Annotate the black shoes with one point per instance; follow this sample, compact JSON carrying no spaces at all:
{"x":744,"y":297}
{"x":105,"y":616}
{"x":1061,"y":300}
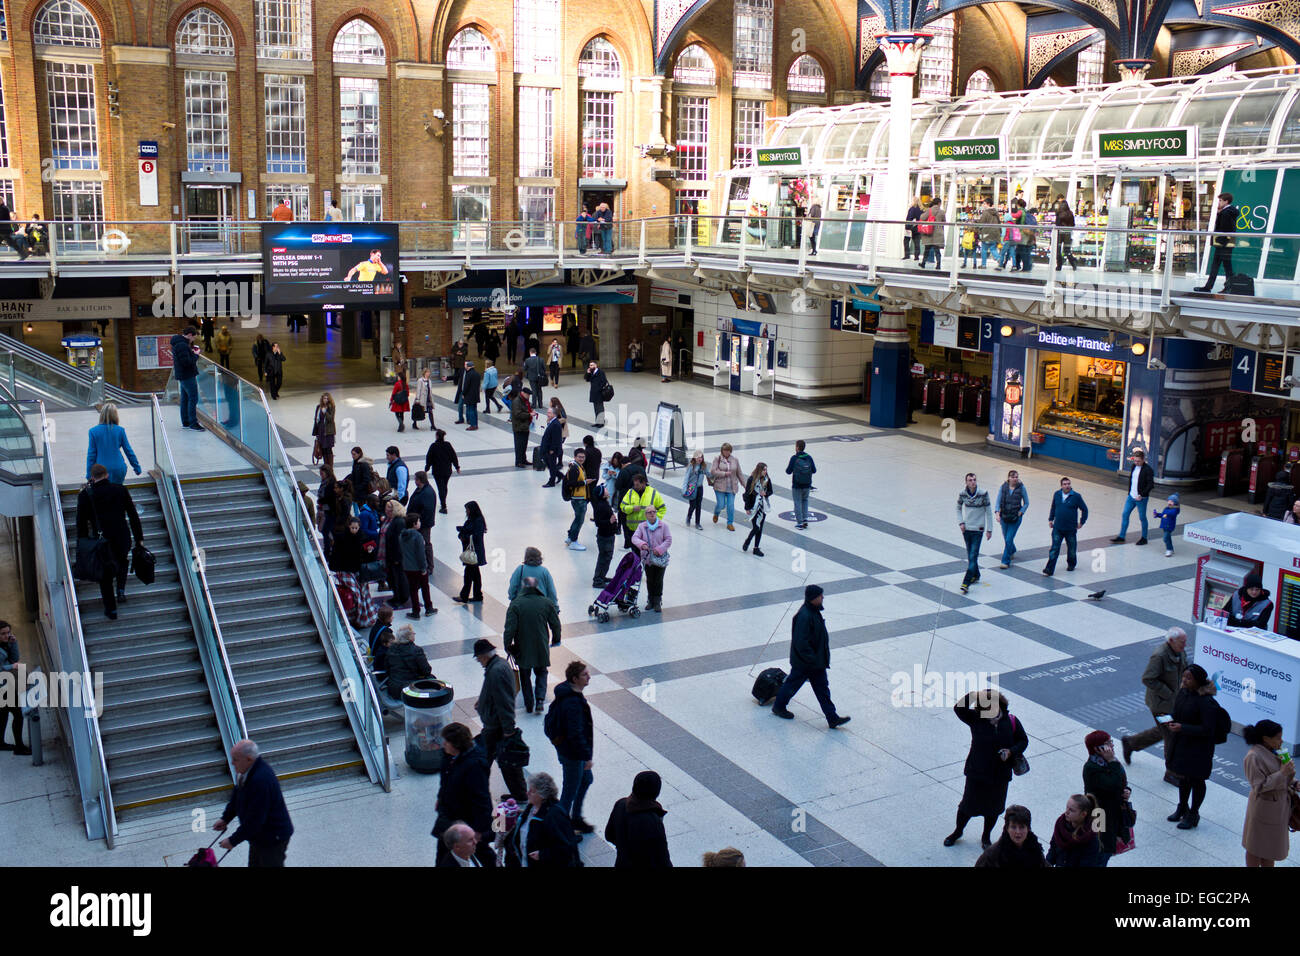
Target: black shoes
{"x":460,"y":600}
{"x":782,"y":712}
{"x":1118,"y":539}
{"x":952,"y":838}
{"x":838,"y":721}
{"x":582,"y":826}
{"x":21,"y":751}
{"x":758,"y":553}
{"x":1189,"y":820}
{"x":1177,"y":815}
{"x":121,"y":596}
{"x":1141,"y":541}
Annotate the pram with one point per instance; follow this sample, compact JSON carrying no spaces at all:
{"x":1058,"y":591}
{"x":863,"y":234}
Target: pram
{"x":623,"y":590}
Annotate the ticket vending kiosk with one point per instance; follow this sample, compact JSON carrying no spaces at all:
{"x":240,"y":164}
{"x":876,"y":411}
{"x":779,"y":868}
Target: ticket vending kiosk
{"x":1241,"y":543}
{"x":764,"y":374}
{"x":83,"y":350}
{"x":722,"y":359}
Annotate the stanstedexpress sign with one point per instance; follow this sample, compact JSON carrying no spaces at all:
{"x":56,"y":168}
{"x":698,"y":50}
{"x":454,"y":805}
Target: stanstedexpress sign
{"x":1146,"y":143}
{"x":780,"y":156}
{"x":987,"y":148}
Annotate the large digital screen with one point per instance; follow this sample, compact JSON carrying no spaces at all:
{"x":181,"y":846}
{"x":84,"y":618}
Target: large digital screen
{"x":309,"y":266}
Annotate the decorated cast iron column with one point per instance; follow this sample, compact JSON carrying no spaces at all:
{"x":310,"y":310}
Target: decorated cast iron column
{"x":902,"y":57}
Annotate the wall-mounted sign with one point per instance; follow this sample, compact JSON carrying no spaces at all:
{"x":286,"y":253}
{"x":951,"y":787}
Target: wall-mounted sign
{"x":1263,"y":373}
{"x":977,"y":149}
{"x":779,"y":155}
{"x":1146,"y":143}
{"x":153,"y":352}
{"x":64,"y":310}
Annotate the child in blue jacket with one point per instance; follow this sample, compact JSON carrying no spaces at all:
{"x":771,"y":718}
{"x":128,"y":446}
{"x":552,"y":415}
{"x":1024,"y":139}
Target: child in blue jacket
{"x":1168,"y":521}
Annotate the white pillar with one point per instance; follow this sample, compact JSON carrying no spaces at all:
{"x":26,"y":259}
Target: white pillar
{"x":902,"y":57}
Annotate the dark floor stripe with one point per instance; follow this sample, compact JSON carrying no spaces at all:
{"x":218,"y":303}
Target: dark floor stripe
{"x":1068,"y":646}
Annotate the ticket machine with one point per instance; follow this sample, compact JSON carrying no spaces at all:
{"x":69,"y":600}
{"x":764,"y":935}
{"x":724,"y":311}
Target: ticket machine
{"x":1241,"y":543}
{"x":83,"y":350}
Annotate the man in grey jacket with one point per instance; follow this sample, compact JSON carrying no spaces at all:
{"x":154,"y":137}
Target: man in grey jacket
{"x":535,"y":372}
{"x":496,"y":709}
{"x":1163,"y":676}
{"x":975,"y":518}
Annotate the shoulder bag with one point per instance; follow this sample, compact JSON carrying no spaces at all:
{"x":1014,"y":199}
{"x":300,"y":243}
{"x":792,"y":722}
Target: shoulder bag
{"x":1019,"y":765}
{"x":469,"y":557}
{"x":94,"y":557}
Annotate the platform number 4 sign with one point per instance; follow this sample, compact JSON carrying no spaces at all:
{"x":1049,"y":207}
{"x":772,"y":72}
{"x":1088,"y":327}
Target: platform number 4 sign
{"x":1243,"y":370}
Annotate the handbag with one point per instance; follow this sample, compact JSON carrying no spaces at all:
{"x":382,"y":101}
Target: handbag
{"x":607,"y":393}
{"x":1126,"y":839}
{"x":371,"y":571}
{"x":316,"y":452}
{"x":417,"y":413}
{"x":401,"y":397}
{"x":469,"y":557}
{"x":513,"y":751}
{"x":94,"y":556}
{"x":143,"y":563}
{"x":1293,"y":823}
{"x":1020,"y":766}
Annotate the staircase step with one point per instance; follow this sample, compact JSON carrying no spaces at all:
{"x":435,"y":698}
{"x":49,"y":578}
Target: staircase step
{"x":299,"y":741}
{"x":310,"y":672}
{"x":155,"y":650}
{"x":104,"y":632}
{"x":141,"y":719}
{"x":271,"y":635}
{"x":180,"y":783}
{"x":253,"y":576}
{"x":260,"y":655}
{"x":300,"y":695}
{"x":162,"y":696}
{"x":123,"y":749}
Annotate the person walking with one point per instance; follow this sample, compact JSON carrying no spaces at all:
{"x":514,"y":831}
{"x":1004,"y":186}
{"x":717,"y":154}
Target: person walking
{"x":758,"y":493}
{"x":185,"y":367}
{"x":1104,"y":779}
{"x":573,"y":736}
{"x":529,"y":618}
{"x":207,"y":329}
{"x":532,"y":567}
{"x":496,"y":709}
{"x":1064,"y":217}
{"x":639,"y":502}
{"x":577,"y":489}
{"x":261,"y":348}
{"x":490,"y":379}
{"x":258,"y":804}
{"x":521,"y":422}
{"x":1162,"y":678}
{"x":636,"y":826}
{"x":1018,"y":848}
{"x":697,"y":476}
{"x":1221,"y":233}
{"x":535,"y":373}
{"x":405,"y":662}
{"x":1074,"y":841}
{"x":424,"y":504}
{"x":932,"y":231}
{"x":552,"y":447}
{"x":1067,"y":515}
{"x":12,"y":710}
{"x":912,"y":238}
{"x":653,"y":539}
{"x":105,"y":509}
{"x":606,"y":522}
{"x":423,"y":407}
{"x":471,"y":541}
{"x":399,"y":400}
{"x":1028,"y":239}
{"x":666,"y":361}
{"x":274,"y":364}
{"x":997,"y":743}
{"x":988,"y":231}
{"x":225,"y":344}
{"x":974,"y":517}
{"x":323,"y":428}
{"x":801,"y":469}
{"x":470,"y":385}
{"x":334,"y":213}
{"x":555,"y":354}
{"x":439,"y":461}
{"x":599,"y":392}
{"x":810,"y":659}
{"x":725,"y":476}
{"x":107,"y":443}
{"x":458,"y":377}
{"x":1270,"y":771}
{"x":1194,"y":726}
{"x":464,"y":791}
{"x":1141,"y":481}
{"x":1009,"y":510}
{"x":415,"y":564}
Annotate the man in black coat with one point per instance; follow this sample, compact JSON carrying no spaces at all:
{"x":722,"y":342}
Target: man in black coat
{"x":469,"y":394}
{"x":258,"y":803}
{"x":106,"y":508}
{"x":424,"y":504}
{"x":496,"y":709}
{"x":636,"y":826}
{"x":574,"y":741}
{"x":464,"y":792}
{"x":810,"y":658}
{"x":1225,"y":224}
{"x":535,"y":372}
{"x":595,"y":394}
{"x":552,"y":447}
{"x":1141,"y":480}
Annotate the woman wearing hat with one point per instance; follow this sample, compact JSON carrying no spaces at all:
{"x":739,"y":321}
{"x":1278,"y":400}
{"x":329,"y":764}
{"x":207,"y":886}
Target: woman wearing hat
{"x":636,"y":826}
{"x":1105,"y":781}
{"x":1266,"y":834}
{"x":1195,"y":716}
{"x":1250,"y":606}
{"x":997,"y":740}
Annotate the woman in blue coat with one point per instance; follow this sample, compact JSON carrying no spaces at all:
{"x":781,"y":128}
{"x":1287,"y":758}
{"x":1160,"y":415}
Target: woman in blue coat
{"x":107,"y":444}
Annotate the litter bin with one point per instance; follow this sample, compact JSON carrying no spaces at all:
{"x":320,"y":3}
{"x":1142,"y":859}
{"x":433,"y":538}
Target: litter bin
{"x":427,"y":705}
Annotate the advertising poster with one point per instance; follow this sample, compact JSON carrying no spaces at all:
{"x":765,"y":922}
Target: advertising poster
{"x":317,"y":266}
{"x":153,"y":352}
{"x":1013,"y":405}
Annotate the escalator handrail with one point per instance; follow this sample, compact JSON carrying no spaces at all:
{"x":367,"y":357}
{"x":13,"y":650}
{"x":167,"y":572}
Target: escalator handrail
{"x":48,"y":362}
{"x":63,"y":567}
{"x":13,"y":477}
{"x":172,"y":478}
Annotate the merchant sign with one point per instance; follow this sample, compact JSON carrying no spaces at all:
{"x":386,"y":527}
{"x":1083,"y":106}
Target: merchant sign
{"x":779,"y":155}
{"x":1179,"y":143}
{"x":979,"y":149}
{"x":64,"y":310}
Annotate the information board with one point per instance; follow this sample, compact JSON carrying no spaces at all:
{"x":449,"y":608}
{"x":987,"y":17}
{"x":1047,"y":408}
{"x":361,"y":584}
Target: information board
{"x":1288,"y":604}
{"x":318,"y":266}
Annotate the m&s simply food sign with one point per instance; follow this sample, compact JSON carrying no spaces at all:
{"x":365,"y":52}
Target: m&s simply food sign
{"x":1146,"y":143}
{"x":985,"y":149}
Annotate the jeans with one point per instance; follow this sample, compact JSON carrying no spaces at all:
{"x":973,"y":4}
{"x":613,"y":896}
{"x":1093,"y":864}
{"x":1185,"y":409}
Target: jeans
{"x":534,"y":690}
{"x":726,"y":499}
{"x":471,"y":414}
{"x":693,"y":508}
{"x":1009,"y":529}
{"x":577,"y":780}
{"x":984,"y":249}
{"x":1071,"y":554}
{"x":189,"y":401}
{"x":1024,"y":257}
{"x":1129,"y":505}
{"x":800,"y":496}
{"x":1169,"y":540}
{"x":460,"y":411}
{"x":1008,"y":251}
{"x":938,"y":257}
{"x":579,"y":516}
{"x":821,"y":687}
{"x":973,"y":539}
{"x":604,"y":554}
{"x":1152,"y":735}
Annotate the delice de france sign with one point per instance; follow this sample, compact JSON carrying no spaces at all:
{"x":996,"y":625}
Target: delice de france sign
{"x":779,"y":155}
{"x":985,"y":149}
{"x":1147,"y":143}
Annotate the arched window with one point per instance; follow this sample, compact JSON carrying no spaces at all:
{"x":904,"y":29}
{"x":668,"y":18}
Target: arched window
{"x":202,"y":32}
{"x":880,"y":81}
{"x":1049,"y":83}
{"x":979,"y":82}
{"x":806,"y":76}
{"x":537,"y":36}
{"x":65,"y":23}
{"x":695,"y":66}
{"x":599,"y":60}
{"x":470,"y":50}
{"x":1091,"y":66}
{"x":936,"y":59}
{"x":752,"y":48}
{"x":359,"y":42}
{"x":283,"y":29}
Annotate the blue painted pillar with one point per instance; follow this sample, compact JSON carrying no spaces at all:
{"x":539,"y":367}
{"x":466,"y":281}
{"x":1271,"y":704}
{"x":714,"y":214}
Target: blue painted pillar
{"x":891,"y":375}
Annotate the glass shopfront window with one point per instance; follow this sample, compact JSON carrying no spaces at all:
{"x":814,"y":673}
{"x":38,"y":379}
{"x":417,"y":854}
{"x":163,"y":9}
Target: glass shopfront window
{"x":1080,"y":398}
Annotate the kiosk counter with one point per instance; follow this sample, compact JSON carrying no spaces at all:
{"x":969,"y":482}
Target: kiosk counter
{"x":1257,"y":674}
{"x":1241,"y":543}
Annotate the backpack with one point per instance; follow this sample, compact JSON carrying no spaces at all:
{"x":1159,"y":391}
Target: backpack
{"x":926,"y":228}
{"x":1222,"y":724}
{"x":551,"y":723}
{"x":802,"y":472}
{"x":568,"y":485}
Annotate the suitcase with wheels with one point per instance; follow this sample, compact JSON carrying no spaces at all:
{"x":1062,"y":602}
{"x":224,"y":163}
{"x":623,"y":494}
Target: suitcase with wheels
{"x":767,"y":684}
{"x":1239,"y":284}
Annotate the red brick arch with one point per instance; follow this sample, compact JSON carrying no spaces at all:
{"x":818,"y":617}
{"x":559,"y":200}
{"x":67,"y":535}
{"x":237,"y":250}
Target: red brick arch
{"x":217,"y":7}
{"x":823,"y":60}
{"x":392,"y":46}
{"x":499,"y":43}
{"x":626,"y":57}
{"x":107,"y":30}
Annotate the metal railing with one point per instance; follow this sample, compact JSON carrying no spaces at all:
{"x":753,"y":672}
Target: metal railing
{"x":21,"y":364}
{"x":238,"y":410}
{"x":192,"y":570}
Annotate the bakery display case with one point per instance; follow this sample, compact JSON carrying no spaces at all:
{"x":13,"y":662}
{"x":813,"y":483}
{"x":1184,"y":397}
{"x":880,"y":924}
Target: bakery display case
{"x":1069,"y":422}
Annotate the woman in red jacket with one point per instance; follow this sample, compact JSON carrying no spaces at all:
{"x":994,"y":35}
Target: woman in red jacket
{"x":399,"y":402}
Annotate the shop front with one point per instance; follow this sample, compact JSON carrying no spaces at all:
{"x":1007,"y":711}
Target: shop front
{"x":1076,"y":394}
{"x":953,"y":364}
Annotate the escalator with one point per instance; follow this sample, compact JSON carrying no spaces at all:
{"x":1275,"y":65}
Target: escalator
{"x":30,"y":373}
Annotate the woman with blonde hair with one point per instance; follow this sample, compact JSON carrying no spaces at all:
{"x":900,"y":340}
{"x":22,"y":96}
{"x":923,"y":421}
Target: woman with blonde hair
{"x":107,"y":445}
{"x":724,"y":475}
{"x":323,"y":428}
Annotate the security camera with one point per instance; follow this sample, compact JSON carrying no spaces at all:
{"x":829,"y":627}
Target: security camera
{"x":169,"y":125}
{"x":1155,"y":363}
{"x":404,"y":279}
{"x":1290,"y":382}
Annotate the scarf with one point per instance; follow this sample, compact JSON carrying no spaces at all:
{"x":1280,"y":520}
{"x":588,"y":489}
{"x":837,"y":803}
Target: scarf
{"x":1067,"y":837}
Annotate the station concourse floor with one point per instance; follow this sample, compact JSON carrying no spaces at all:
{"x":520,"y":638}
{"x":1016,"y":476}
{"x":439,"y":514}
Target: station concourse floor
{"x":671,"y":692}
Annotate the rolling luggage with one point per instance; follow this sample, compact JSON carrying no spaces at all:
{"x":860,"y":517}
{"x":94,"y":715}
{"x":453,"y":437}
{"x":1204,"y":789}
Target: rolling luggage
{"x":767,"y":684}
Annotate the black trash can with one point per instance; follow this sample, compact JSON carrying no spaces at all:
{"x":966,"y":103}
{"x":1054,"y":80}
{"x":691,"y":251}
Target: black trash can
{"x":427,"y":705}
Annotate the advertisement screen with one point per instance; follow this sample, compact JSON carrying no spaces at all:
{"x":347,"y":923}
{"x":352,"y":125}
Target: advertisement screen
{"x":309,"y":266}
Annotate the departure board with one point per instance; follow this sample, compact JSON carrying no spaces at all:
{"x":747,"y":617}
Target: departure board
{"x":1269,"y":372}
{"x":1288,"y":605}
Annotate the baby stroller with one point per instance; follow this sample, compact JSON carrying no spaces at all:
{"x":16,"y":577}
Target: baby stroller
{"x":623,"y":590}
